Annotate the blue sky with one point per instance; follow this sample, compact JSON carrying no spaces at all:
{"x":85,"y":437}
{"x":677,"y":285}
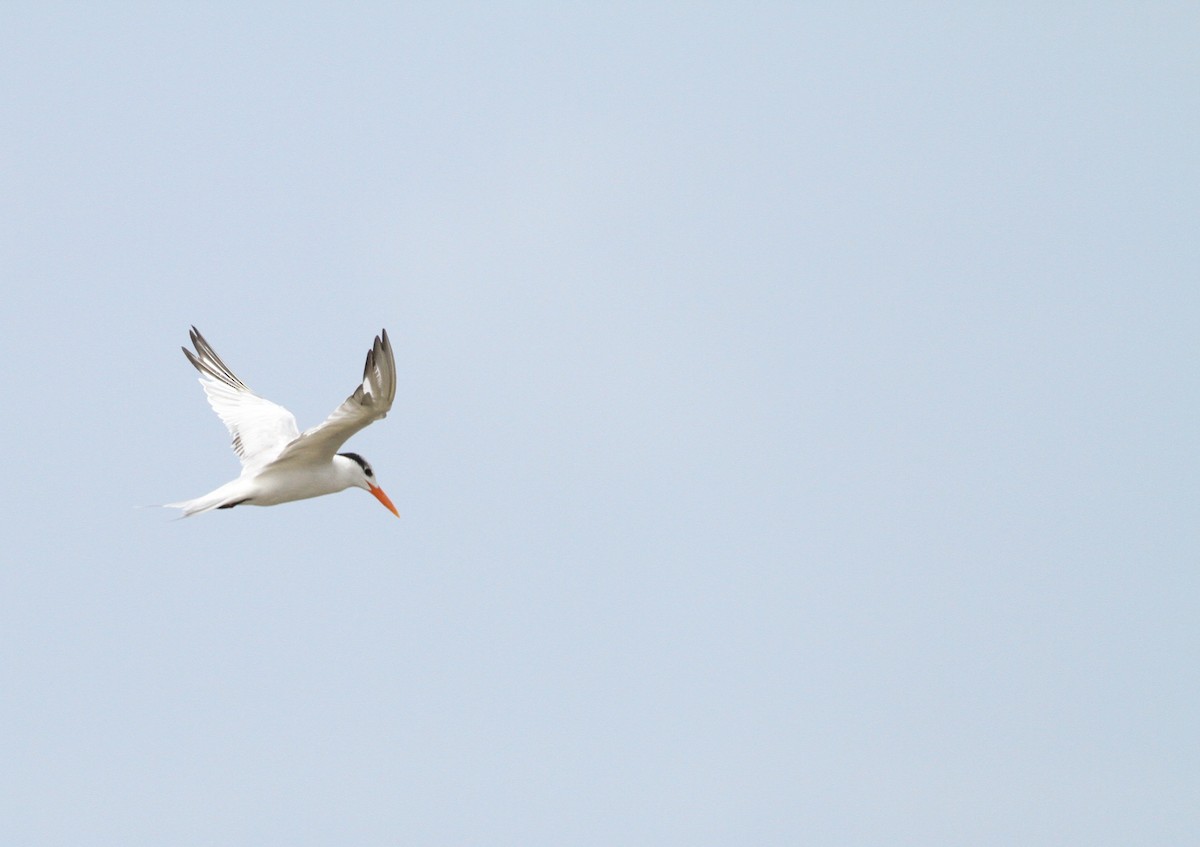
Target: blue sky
{"x":795,"y":440}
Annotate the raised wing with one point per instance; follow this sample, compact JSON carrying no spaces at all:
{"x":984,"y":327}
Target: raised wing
{"x":260,"y":428}
{"x":369,"y":403}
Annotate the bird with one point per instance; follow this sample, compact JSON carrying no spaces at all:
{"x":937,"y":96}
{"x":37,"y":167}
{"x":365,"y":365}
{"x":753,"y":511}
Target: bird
{"x":279,"y":463}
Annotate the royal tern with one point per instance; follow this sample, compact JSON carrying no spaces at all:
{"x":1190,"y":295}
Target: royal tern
{"x":279,"y":463}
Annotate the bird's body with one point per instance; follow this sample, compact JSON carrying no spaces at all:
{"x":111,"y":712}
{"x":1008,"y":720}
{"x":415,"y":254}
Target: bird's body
{"x":279,"y":463}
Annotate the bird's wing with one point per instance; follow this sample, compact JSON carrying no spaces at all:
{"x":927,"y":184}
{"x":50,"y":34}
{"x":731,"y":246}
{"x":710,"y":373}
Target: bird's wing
{"x":260,"y":428}
{"x":369,"y":403}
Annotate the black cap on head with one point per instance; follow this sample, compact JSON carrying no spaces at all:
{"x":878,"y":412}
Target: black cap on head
{"x":362,"y":463}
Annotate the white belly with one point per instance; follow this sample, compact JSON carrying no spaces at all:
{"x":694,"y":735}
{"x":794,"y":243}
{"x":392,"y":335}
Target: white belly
{"x":272,"y":486}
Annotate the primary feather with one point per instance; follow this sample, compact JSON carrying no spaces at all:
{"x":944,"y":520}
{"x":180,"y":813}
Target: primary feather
{"x":260,"y":428}
{"x":370,"y":402}
{"x":264,"y":432}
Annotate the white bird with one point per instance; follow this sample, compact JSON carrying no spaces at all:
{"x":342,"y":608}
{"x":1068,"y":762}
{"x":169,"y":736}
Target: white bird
{"x":279,"y":463}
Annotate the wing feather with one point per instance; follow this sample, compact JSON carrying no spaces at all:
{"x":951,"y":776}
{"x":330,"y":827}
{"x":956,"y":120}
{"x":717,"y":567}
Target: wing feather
{"x":370,"y":402}
{"x":260,"y":428}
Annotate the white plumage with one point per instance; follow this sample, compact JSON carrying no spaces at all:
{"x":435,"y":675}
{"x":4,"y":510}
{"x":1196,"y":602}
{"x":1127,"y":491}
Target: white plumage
{"x":280,"y":463}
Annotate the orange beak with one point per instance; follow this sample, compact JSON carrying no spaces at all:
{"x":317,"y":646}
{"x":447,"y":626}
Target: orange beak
{"x":383,"y":498}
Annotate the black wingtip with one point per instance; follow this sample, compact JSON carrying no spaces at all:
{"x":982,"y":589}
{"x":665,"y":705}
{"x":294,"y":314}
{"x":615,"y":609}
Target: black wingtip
{"x":191,"y":357}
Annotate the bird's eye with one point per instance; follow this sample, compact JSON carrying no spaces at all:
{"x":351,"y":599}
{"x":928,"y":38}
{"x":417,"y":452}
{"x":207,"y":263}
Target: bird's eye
{"x":369,"y":472}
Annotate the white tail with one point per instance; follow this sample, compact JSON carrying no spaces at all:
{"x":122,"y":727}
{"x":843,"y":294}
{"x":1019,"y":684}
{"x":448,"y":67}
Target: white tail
{"x":223,"y":497}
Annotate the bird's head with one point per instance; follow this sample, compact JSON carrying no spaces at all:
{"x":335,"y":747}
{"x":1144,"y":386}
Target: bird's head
{"x":363,"y":477}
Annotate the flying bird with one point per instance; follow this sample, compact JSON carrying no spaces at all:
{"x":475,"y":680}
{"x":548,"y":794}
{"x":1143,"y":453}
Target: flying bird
{"x":280,"y":463}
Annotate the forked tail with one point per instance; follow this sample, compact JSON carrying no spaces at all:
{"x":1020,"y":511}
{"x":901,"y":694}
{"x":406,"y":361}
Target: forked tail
{"x":224,"y":497}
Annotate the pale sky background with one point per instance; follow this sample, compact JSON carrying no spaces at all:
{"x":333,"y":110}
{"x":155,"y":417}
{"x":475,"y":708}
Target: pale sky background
{"x":796,"y":436}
